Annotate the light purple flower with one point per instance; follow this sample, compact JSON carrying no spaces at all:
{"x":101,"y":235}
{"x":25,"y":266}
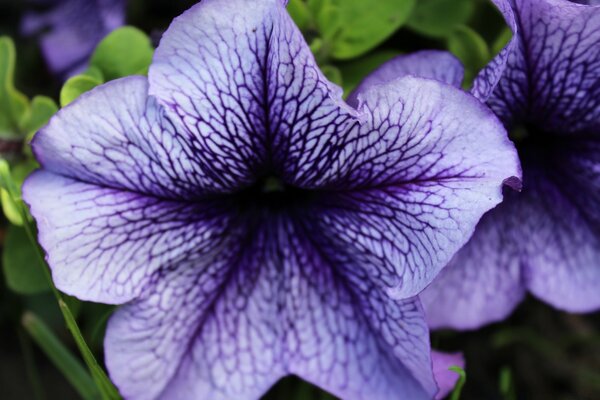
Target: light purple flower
{"x":70,"y":30}
{"x":545,"y":86}
{"x":444,"y":377}
{"x":255,"y":225}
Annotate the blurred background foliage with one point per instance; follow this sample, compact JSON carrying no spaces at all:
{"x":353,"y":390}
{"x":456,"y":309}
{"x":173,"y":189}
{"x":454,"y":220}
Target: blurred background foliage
{"x":538,"y":353}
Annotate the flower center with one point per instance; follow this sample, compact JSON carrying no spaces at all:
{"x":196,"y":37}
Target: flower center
{"x":533,"y":145}
{"x":271,"y":193}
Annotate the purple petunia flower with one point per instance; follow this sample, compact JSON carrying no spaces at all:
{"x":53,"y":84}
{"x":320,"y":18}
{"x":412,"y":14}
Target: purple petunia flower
{"x":444,"y":377}
{"x":74,"y":29}
{"x":254,"y":224}
{"x":545,"y":87}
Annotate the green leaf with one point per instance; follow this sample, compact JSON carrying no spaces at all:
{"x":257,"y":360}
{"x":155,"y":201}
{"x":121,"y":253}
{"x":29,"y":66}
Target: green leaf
{"x":125,"y":51}
{"x":462,"y":379}
{"x":14,"y":179}
{"x":13,"y":104}
{"x":300,"y":13}
{"x":438,"y":18}
{"x":95,"y":73}
{"x":356,"y":26}
{"x":501,"y":40}
{"x":10,"y":209}
{"x":61,"y":357}
{"x":333,"y":74}
{"x":315,"y":6}
{"x":471,"y":50}
{"x":42,"y":108}
{"x":76,"y":86}
{"x":353,"y":72}
{"x":22,"y":269}
{"x":507,"y":387}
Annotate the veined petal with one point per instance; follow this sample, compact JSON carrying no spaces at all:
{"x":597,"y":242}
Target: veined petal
{"x":483,"y":281}
{"x":433,"y":64}
{"x":424,"y":168}
{"x":108,"y":245}
{"x":552,"y":76}
{"x":116,"y":136}
{"x":241,"y":78}
{"x":545,"y":239}
{"x":282,"y":308}
{"x":563,"y":251}
{"x":445,"y":378}
{"x":487,"y":79}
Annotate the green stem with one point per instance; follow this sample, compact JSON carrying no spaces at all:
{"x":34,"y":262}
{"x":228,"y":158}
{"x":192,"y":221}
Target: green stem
{"x":107,"y":389}
{"x":461,"y":382}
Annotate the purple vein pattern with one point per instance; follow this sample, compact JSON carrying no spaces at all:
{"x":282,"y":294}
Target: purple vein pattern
{"x":252,"y":223}
{"x":70,"y":29}
{"x":545,"y":87}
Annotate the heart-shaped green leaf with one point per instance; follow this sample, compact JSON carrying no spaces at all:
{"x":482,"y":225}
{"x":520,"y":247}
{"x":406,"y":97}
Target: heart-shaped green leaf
{"x":354,"y":27}
{"x":75,"y":86}
{"x":438,"y":18}
{"x":125,"y":51}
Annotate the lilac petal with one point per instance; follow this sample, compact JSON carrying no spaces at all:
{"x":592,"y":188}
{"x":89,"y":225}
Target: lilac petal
{"x":108,"y":245}
{"x":422,"y":180}
{"x":116,"y":136}
{"x":445,"y":378}
{"x":279,"y":308}
{"x":241,"y":78}
{"x":552,"y":76}
{"x":563,"y":250}
{"x":432,"y":64}
{"x":545,"y":239}
{"x":487,"y":79}
{"x":482,"y":283}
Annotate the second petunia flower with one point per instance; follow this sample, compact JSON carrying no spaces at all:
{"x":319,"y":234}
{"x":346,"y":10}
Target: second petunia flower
{"x":255,"y":225}
{"x":545,"y":87}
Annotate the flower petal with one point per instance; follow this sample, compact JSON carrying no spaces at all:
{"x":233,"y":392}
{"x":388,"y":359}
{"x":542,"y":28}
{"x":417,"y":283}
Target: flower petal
{"x":552,"y":76}
{"x":483,"y":282}
{"x":432,"y":64}
{"x":487,"y":79}
{"x":73,"y":30}
{"x":241,"y":78}
{"x":108,"y":245}
{"x":445,"y":378}
{"x":545,"y":239}
{"x":563,"y":251}
{"x":281,"y":308}
{"x":419,"y":181}
{"x":118,"y":137}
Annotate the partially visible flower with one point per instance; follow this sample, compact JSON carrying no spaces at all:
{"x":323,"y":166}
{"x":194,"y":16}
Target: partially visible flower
{"x":545,"y":86}
{"x":256,"y":225}
{"x":70,"y":29}
{"x":445,"y":378}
